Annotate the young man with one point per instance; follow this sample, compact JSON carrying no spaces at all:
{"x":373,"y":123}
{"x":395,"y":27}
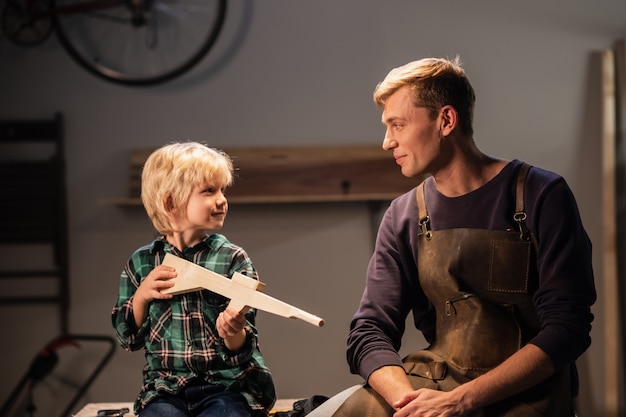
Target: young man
{"x":202,"y":357}
{"x":489,"y":255}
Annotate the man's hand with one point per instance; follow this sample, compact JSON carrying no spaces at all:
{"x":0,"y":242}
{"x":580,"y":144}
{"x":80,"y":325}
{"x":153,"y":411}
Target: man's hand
{"x":429,"y":403}
{"x":392,"y":383}
{"x":524,"y":369}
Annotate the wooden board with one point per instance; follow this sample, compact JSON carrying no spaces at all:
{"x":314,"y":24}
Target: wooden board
{"x":620,"y":202}
{"x":611,"y":329}
{"x":91,"y":409}
{"x":300,"y":174}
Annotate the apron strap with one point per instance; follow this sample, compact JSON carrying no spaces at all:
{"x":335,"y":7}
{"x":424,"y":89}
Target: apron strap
{"x":519,"y":216}
{"x":519,"y":192}
{"x":424,"y":220}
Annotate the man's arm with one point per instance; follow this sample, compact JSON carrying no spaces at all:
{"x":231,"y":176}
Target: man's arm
{"x":392,"y":384}
{"x":523,"y":370}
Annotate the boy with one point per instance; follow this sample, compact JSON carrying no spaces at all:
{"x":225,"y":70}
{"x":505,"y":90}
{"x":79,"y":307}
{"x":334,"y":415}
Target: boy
{"x":202,"y":357}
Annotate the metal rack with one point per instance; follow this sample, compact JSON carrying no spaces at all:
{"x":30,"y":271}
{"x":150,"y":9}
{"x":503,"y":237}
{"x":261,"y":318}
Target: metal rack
{"x":33,"y":215}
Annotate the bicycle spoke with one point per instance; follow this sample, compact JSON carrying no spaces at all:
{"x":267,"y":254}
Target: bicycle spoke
{"x":141,"y":46}
{"x":152,"y":33}
{"x":108,"y":17}
{"x":26,"y":23}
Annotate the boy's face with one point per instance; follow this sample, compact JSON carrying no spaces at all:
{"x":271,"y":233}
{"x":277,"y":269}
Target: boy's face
{"x":206,"y":209}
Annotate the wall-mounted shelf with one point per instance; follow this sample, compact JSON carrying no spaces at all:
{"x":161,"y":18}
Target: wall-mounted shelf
{"x":297,"y":174}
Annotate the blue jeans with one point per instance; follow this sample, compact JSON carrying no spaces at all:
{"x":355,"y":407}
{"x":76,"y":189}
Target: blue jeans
{"x":198,"y":401}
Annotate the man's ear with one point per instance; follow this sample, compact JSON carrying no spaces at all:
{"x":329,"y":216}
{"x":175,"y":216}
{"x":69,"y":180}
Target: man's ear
{"x":449,"y":119}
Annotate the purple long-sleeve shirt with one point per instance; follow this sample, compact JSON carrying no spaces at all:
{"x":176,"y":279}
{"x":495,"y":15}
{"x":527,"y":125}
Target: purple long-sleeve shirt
{"x":566,"y":288}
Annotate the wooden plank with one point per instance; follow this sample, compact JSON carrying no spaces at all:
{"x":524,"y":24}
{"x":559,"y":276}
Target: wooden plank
{"x":620,"y":179}
{"x":248,"y":282}
{"x":92,"y":409}
{"x":611,"y":329}
{"x":299,"y":174}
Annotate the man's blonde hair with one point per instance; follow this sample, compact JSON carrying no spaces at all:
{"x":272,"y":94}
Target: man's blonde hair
{"x":435,"y":82}
{"x":171,"y":173}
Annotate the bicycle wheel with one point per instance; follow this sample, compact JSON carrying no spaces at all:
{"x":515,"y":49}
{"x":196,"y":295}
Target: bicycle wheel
{"x":26,"y":23}
{"x":138,"y":42}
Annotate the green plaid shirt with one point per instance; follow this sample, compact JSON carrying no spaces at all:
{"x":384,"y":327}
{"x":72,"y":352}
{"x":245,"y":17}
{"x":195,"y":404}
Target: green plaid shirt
{"x":179,"y":336}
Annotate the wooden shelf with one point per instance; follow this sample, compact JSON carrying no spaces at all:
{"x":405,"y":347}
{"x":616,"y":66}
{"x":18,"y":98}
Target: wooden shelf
{"x":131,"y":202}
{"x":298,"y":175}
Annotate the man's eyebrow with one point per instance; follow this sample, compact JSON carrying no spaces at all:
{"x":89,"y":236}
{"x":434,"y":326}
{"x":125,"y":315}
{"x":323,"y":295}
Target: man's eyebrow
{"x":390,"y":119}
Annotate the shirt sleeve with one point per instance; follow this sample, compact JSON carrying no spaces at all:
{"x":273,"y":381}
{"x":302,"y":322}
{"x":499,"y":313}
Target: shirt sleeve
{"x":391,"y":292}
{"x":566,"y":289}
{"x":128,"y":334}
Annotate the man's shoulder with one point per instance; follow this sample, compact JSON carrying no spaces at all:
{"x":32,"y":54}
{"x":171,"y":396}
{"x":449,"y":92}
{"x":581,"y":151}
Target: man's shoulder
{"x":542,"y":178}
{"x":537,"y":176}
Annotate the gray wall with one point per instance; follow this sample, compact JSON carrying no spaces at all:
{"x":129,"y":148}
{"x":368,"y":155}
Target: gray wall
{"x":302,"y":73}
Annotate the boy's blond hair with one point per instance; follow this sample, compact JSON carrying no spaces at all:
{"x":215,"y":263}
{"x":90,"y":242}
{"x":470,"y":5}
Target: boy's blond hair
{"x":435,"y":82}
{"x":172,"y":172}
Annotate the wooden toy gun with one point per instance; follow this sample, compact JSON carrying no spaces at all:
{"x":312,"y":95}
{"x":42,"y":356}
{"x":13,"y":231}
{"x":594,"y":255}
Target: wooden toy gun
{"x":244,"y":292}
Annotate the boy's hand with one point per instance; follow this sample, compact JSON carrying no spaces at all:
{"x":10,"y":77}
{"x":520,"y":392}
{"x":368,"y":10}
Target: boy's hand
{"x":150,"y":288}
{"x":230,"y":324}
{"x":158,"y":279}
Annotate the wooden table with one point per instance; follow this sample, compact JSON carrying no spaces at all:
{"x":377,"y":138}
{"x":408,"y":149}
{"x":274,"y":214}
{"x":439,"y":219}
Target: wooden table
{"x":91,"y":409}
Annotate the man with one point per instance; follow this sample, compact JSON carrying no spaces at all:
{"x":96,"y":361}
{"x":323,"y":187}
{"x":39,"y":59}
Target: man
{"x":489,"y":255}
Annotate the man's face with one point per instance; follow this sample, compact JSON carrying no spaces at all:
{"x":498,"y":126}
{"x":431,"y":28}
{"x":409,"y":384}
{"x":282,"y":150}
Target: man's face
{"x":411,"y":134}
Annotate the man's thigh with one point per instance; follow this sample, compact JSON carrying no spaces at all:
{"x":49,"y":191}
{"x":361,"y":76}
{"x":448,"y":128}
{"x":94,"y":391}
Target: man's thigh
{"x":364,"y":402}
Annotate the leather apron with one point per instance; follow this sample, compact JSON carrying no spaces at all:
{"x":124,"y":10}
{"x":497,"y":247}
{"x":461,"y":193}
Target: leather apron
{"x":480,"y":283}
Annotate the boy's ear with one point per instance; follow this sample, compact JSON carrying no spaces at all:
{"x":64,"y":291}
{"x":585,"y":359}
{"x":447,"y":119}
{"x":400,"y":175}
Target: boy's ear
{"x":168,"y":203}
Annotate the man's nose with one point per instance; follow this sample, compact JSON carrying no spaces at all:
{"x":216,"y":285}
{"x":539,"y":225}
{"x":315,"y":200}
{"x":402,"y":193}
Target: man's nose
{"x":389,"y":142}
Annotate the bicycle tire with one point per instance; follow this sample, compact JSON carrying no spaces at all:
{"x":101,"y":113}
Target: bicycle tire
{"x":102,"y":37}
{"x":27,"y":23}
